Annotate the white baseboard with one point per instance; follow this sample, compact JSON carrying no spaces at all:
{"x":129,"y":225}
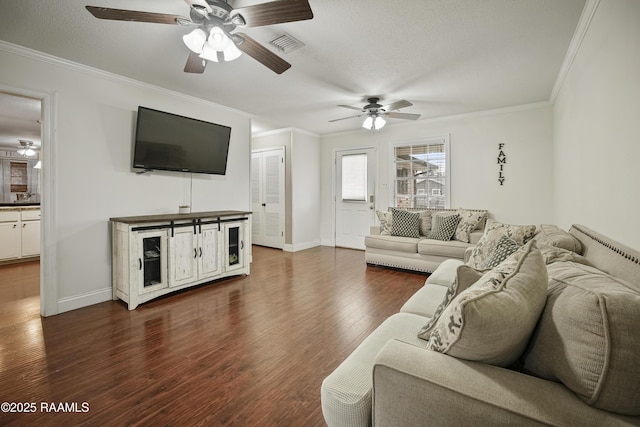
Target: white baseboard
{"x":300,"y":246}
{"x":84,"y":300}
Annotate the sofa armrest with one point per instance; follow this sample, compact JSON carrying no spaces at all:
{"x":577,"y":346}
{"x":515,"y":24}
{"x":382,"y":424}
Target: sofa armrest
{"x":414,"y":386}
{"x":374,"y":230}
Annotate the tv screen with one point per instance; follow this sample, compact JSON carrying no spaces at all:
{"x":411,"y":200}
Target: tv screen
{"x":167,"y":141}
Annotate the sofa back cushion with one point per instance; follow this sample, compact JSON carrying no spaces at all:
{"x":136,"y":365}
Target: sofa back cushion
{"x":552,"y":235}
{"x":492,"y":320}
{"x":588,"y":337}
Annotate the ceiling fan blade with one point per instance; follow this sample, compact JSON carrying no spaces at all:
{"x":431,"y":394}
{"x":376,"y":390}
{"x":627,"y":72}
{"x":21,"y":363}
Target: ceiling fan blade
{"x":135,"y":15}
{"x":345,"y":118}
{"x":199,"y":4}
{"x":406,"y":116}
{"x":262,"y":54}
{"x":350,"y":107}
{"x":397,"y":105}
{"x":195,"y":64}
{"x":275,"y":12}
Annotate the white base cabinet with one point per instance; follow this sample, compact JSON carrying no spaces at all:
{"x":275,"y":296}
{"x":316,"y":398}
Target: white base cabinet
{"x":19,"y":233}
{"x":158,"y":254}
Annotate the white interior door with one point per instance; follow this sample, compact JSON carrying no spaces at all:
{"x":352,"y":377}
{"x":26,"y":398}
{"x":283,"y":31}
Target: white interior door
{"x":355,"y":196}
{"x":267,"y":197}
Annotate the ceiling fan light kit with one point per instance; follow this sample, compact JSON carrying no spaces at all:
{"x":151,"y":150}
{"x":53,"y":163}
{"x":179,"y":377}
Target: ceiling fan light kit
{"x":213,"y":39}
{"x":374,"y":123}
{"x":25,"y":148}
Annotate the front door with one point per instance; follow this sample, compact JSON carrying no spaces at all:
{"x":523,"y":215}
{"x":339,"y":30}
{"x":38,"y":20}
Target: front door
{"x":355,"y":196}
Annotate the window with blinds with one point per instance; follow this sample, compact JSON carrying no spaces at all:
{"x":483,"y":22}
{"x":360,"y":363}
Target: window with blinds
{"x":19,"y":179}
{"x":421,"y":174}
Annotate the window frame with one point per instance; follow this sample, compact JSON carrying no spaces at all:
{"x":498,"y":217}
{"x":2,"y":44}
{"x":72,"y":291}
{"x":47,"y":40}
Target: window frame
{"x":440,"y":139}
{"x":23,"y":185}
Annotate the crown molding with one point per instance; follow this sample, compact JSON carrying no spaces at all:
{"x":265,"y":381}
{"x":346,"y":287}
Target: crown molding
{"x":574,"y":46}
{"x":81,"y":68}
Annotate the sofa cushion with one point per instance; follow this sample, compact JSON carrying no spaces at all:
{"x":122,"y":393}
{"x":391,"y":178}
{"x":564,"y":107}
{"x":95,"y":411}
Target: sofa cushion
{"x":386,"y":220}
{"x":392,"y":243}
{"x":492,"y":320}
{"x":346,"y":392}
{"x":425,"y":301}
{"x":588,"y":337}
{"x":405,"y":223}
{"x":445,"y":274}
{"x":469,"y":221}
{"x":503,"y":249}
{"x":554,"y":236}
{"x":447,"y":249}
{"x":493,"y":231}
{"x":465,"y":277}
{"x":425,"y":222}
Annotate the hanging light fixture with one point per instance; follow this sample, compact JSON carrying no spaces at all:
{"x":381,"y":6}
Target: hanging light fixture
{"x":25,"y":148}
{"x":374,"y":122}
{"x":210,"y":47}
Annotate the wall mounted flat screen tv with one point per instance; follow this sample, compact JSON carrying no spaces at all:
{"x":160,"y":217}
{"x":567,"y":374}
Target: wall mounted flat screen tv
{"x":166,"y":141}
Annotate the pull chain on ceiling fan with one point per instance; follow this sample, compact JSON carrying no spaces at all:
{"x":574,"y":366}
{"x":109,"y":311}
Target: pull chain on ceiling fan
{"x":214,"y":38}
{"x":375,"y":112}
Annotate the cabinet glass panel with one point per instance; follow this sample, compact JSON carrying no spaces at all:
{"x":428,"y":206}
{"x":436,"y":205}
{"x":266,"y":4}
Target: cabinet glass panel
{"x":152,"y":265}
{"x":234,"y":245}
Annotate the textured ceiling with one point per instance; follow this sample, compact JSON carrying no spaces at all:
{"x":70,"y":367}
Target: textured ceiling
{"x":445,"y":56}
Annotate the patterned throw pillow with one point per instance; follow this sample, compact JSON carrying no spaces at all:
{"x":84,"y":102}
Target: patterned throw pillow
{"x":425,"y":222}
{"x":444,"y":227}
{"x":504,"y":248}
{"x":492,"y":320}
{"x":405,"y":223}
{"x":465,"y":277}
{"x":469,"y":221}
{"x":386,"y":220}
{"x":493,"y":231}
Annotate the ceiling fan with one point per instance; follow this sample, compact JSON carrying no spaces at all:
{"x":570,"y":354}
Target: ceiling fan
{"x":375,"y":112}
{"x":213,"y":38}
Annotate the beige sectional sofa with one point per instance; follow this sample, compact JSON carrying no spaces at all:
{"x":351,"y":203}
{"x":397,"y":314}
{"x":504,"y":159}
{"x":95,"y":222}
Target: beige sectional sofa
{"x":566,"y":353}
{"x":420,"y":253}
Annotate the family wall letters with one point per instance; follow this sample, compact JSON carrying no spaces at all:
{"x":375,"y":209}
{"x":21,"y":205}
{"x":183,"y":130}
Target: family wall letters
{"x":502,"y":160}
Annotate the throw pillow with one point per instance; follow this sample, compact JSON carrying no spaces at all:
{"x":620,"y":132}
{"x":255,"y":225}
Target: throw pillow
{"x":504,"y":248}
{"x":386,"y":220}
{"x":405,"y":223}
{"x":493,"y":231}
{"x":469,"y":221}
{"x":492,"y":320}
{"x":425,"y":222}
{"x":444,"y":227}
{"x":465,"y":277}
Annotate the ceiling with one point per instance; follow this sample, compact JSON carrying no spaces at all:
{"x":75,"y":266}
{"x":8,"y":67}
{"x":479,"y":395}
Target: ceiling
{"x":447,"y":57}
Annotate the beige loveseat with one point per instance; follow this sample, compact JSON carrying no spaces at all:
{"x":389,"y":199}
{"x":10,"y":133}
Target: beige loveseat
{"x":573,"y":362}
{"x":420,"y":253}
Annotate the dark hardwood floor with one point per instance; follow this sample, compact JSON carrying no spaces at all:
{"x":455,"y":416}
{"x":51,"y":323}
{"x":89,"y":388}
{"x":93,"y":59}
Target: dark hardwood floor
{"x":247,"y":351}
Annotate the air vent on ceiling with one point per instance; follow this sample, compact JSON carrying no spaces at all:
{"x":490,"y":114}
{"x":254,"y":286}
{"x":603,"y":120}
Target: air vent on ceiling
{"x":286,"y":43}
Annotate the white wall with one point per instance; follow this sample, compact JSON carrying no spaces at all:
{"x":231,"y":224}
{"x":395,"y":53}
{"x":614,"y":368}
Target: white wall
{"x":597,"y":127}
{"x":305,"y":188}
{"x":95,"y":123}
{"x":526,"y":196}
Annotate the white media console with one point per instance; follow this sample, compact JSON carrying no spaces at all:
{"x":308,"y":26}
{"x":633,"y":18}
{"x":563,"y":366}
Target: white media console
{"x":154,"y":255}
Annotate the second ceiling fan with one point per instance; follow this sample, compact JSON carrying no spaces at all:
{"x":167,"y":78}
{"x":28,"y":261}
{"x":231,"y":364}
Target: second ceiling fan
{"x":375,"y":112}
{"x":214,"y":39}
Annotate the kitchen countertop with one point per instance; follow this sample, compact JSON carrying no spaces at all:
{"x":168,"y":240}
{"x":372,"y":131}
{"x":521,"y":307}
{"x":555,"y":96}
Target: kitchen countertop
{"x":19,"y":206}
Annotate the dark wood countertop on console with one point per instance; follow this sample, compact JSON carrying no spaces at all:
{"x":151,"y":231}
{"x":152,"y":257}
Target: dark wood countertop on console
{"x":176,"y":217}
